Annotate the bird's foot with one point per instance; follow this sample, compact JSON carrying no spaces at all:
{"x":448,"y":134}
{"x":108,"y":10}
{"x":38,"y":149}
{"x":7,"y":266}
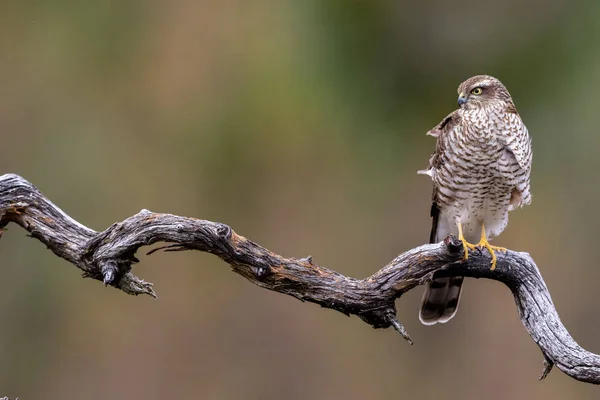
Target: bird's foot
{"x":483,"y":243}
{"x":467,"y":246}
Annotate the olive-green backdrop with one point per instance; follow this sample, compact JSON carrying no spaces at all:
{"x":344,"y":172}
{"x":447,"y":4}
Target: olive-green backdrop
{"x":301,"y":124}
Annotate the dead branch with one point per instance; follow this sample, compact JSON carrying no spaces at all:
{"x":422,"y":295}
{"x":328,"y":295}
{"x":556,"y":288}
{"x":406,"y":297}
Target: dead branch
{"x":108,"y":256}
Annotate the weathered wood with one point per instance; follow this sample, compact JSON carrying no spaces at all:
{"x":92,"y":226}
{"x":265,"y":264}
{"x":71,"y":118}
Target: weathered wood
{"x":108,"y":256}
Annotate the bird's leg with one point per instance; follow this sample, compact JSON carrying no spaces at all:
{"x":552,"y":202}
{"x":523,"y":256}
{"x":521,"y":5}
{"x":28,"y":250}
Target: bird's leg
{"x":466,"y":245}
{"x":483,"y":242}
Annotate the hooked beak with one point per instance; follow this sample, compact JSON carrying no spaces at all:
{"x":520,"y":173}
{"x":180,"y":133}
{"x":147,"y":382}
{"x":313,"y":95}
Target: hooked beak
{"x":462,"y":99}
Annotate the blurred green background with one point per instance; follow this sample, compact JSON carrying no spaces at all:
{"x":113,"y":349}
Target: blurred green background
{"x":301,"y":124}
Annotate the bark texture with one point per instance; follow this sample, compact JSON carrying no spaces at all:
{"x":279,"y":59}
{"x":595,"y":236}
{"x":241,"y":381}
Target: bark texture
{"x":108,"y":256}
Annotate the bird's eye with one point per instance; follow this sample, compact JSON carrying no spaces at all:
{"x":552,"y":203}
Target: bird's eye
{"x":477,"y":91}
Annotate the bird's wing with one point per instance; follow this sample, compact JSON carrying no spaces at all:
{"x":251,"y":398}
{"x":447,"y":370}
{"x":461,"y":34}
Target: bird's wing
{"x":447,"y":123}
{"x":435,"y":162}
{"x":517,"y":151}
{"x":517,"y":140}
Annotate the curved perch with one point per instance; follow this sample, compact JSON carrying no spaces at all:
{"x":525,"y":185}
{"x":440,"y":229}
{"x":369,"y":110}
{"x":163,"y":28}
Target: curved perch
{"x":108,"y":256}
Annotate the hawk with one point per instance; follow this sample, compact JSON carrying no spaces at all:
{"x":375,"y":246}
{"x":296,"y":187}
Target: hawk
{"x":480,"y":172}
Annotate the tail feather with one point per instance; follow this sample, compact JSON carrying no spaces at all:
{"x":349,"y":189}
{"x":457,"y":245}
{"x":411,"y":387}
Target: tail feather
{"x":441,"y":297}
{"x":440,"y":300}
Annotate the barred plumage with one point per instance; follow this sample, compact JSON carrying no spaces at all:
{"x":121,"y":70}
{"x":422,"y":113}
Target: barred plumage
{"x":480,"y":171}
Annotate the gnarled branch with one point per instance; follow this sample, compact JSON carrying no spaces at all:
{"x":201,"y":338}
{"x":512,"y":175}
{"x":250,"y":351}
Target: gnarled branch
{"x":107,"y":256}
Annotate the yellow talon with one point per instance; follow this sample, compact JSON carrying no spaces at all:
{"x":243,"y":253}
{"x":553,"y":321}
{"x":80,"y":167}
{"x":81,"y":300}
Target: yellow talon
{"x":466,"y":245}
{"x":492,"y":249}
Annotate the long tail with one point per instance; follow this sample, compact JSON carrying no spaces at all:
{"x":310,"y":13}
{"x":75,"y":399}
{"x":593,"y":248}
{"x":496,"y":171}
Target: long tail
{"x":441,"y":297}
{"x":440,"y":300}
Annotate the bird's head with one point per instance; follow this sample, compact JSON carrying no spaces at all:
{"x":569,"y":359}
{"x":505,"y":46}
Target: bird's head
{"x":482,"y":91}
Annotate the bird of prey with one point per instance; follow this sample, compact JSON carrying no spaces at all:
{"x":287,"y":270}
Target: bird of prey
{"x":480,"y":171}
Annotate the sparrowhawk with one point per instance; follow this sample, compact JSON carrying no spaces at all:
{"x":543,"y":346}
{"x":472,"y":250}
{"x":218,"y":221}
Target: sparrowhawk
{"x":480,"y":171}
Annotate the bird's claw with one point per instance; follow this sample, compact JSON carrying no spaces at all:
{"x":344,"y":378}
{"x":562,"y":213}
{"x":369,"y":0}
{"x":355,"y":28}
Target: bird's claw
{"x":467,"y":246}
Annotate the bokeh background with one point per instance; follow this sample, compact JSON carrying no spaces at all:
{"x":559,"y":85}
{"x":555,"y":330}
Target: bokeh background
{"x":301,"y":124}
